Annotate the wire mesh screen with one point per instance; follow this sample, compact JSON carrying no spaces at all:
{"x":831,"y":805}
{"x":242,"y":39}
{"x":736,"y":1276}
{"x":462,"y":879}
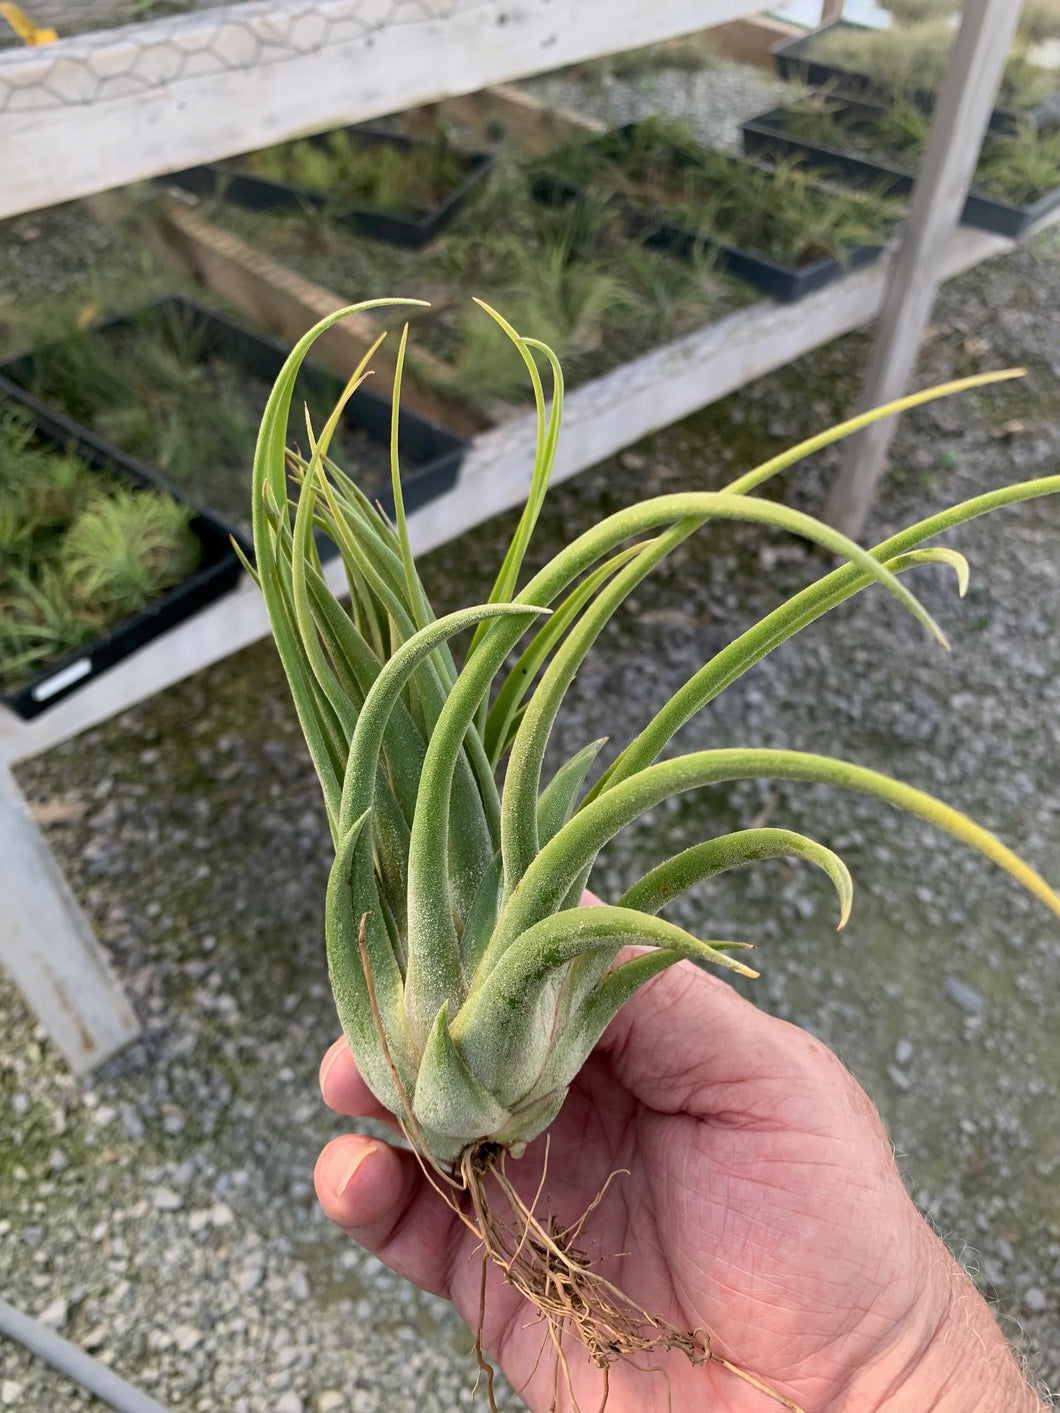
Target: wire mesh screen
{"x":114,"y":63}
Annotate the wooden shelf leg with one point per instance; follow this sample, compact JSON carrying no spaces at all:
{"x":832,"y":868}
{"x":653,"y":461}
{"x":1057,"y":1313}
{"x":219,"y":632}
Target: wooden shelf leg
{"x":961,"y":116}
{"x":47,"y":945}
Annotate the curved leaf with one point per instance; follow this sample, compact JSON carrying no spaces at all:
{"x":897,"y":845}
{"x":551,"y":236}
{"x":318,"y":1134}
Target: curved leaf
{"x":504,"y":1030}
{"x":751,"y":479}
{"x":519,"y":842}
{"x":449,"y":1100}
{"x":898,"y":553}
{"x":560,"y":862}
{"x":506,"y":706}
{"x":343,"y":916}
{"x":674,"y":877}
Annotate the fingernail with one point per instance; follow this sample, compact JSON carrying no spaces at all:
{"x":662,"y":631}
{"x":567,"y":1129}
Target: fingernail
{"x":328,"y":1060}
{"x":341,"y":1172}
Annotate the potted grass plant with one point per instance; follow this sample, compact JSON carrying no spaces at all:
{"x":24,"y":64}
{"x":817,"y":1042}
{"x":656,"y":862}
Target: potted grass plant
{"x":908,"y":61}
{"x":574,"y":273}
{"x":181,"y":389}
{"x":94,"y":560}
{"x":1016,"y":182}
{"x":772,"y":226}
{"x":469,"y":982}
{"x":386,"y":186}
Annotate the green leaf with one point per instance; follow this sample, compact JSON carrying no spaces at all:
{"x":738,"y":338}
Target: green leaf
{"x":898,"y":553}
{"x":504,"y":710}
{"x":433,"y":973}
{"x":449,"y":1100}
{"x":560,"y":795}
{"x":674,"y":877}
{"x":504,"y":1030}
{"x":561,"y":861}
{"x":775,"y":464}
{"x":343,"y":921}
{"x":519,"y":843}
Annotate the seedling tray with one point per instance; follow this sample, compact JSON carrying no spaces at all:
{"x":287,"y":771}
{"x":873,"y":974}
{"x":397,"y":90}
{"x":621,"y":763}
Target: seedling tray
{"x":263,"y":194}
{"x":784,"y":283}
{"x":430,"y":455}
{"x":217,"y":571}
{"x":767,"y":136}
{"x":794,"y":61}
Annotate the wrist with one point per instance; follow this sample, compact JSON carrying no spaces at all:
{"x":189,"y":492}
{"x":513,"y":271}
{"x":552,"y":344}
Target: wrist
{"x":950,"y":1358}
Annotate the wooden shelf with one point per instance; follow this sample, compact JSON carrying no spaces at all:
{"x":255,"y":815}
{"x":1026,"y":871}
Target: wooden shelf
{"x":92,"y":113}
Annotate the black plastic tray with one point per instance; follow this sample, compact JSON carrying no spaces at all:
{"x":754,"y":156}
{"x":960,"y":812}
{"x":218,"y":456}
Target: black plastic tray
{"x":261,"y":194}
{"x":793,"y":59}
{"x":784,"y":283}
{"x":766,"y":136}
{"x":216,"y":574}
{"x":430,"y":455}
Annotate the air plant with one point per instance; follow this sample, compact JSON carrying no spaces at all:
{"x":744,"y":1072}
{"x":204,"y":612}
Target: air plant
{"x":79,"y":550}
{"x":658,"y":167}
{"x":125,"y":548}
{"x":910,"y":61}
{"x":469,"y":982}
{"x":1020,"y":169}
{"x":350,"y":170}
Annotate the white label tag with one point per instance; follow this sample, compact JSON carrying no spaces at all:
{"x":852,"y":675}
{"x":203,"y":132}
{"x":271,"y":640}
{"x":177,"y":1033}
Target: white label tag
{"x":43,"y":690}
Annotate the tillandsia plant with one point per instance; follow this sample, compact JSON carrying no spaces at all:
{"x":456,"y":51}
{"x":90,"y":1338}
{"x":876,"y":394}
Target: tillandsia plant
{"x":470,"y":984}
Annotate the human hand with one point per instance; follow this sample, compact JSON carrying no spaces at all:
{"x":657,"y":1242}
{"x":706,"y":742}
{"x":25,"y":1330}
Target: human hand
{"x":758,"y":1200}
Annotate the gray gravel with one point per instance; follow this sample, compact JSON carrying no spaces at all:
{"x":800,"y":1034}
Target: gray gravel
{"x":714,"y":100}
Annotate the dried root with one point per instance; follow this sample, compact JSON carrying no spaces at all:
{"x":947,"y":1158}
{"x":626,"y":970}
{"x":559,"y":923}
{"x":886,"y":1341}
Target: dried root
{"x":548,"y":1267}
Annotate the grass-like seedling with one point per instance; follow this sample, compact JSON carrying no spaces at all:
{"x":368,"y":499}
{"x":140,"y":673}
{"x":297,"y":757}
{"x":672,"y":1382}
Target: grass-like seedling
{"x":156,"y":389}
{"x":1019,"y":169}
{"x":909,"y":13}
{"x":122,"y":547}
{"x":79,"y":551}
{"x":471,"y":985}
{"x":405,"y":181}
{"x":580,"y":280}
{"x":657,"y":166}
{"x":909,"y":61}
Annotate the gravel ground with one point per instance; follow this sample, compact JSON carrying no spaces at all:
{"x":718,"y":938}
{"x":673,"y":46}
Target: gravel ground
{"x":162,"y":1215}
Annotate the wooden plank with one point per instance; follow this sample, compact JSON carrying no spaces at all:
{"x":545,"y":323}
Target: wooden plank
{"x":961,"y":116}
{"x":281,"y":301}
{"x":87,"y":114}
{"x":48,"y":947}
{"x":751,"y":41}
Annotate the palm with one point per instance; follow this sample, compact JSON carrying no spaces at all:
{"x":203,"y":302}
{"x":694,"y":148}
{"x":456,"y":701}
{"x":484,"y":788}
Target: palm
{"x":754,"y":1180}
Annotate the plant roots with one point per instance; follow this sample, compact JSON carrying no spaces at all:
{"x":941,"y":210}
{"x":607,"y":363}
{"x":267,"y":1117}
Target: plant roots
{"x":548,"y":1266}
